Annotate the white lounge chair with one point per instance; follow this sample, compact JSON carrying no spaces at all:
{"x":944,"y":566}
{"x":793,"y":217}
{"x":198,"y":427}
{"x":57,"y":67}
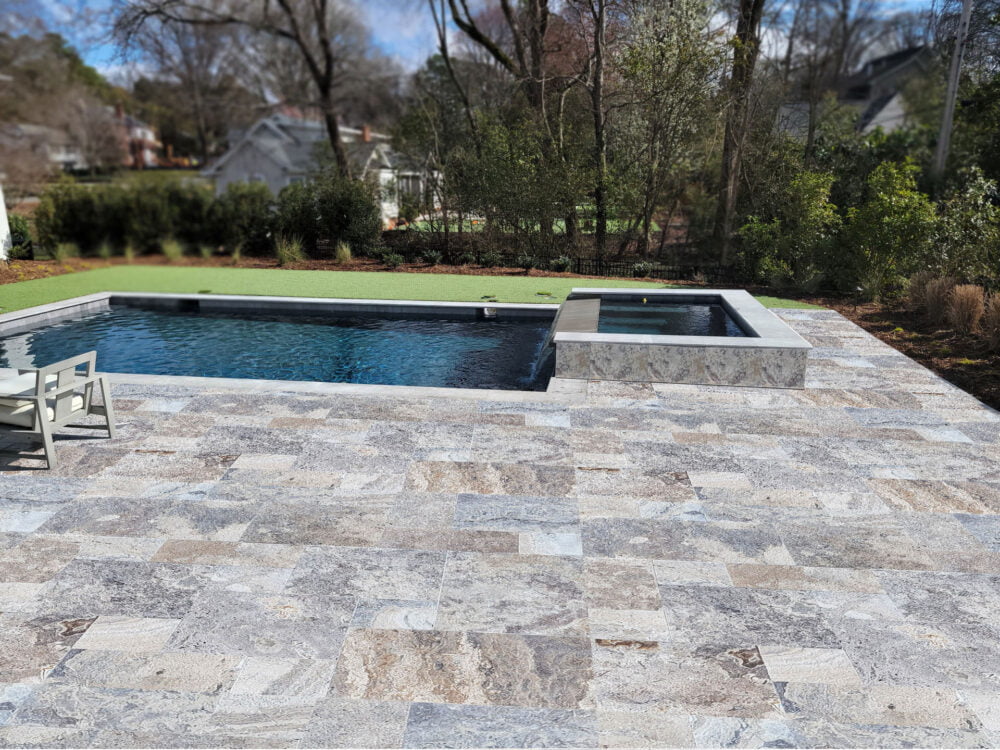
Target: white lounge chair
{"x":40,"y":401}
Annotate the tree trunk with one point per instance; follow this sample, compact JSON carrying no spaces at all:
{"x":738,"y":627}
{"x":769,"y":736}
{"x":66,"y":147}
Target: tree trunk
{"x":598,"y":9}
{"x":333,"y":133}
{"x":746,"y":50}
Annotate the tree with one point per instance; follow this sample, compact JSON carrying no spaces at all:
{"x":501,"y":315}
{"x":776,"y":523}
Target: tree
{"x":322,"y":34}
{"x":658,"y":127}
{"x":746,"y":50}
{"x":193,"y":94}
{"x":95,"y":132}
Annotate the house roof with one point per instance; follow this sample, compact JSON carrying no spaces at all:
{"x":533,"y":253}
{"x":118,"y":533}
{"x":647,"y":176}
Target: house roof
{"x":859,"y":85}
{"x":293,"y":144}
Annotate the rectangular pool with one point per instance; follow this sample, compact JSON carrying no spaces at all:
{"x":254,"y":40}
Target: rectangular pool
{"x":380,"y":347}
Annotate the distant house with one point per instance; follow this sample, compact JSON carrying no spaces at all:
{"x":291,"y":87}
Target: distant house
{"x":51,"y":144}
{"x":875,"y":91}
{"x":281,"y":150}
{"x":140,"y":141}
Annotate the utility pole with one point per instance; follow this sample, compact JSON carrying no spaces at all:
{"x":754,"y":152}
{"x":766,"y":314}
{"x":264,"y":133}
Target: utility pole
{"x":948,"y":118}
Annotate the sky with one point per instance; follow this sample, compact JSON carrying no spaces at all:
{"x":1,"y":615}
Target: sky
{"x":402,"y":29}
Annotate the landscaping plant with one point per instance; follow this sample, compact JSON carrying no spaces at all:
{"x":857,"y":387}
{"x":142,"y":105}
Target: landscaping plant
{"x":343,"y":253}
{"x":288,"y":249}
{"x":991,"y":321}
{"x":966,"y":308}
{"x":172,"y":249}
{"x":937,"y":295}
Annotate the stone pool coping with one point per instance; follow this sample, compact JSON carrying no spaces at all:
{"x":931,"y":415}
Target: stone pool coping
{"x":32,"y":317}
{"x":765,"y":329}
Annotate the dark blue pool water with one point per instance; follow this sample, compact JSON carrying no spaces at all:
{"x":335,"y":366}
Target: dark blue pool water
{"x":386,"y":350}
{"x":666,"y":319}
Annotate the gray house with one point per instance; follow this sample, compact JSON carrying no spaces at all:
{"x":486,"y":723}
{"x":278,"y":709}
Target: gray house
{"x":875,"y":92}
{"x":280,"y":150}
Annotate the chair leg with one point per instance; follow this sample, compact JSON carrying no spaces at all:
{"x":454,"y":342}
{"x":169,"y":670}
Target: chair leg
{"x":41,"y":420}
{"x":109,"y":411}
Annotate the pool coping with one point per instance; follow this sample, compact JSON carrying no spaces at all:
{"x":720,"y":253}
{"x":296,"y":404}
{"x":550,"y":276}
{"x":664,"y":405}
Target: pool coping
{"x":559,"y":389}
{"x":765,"y":329}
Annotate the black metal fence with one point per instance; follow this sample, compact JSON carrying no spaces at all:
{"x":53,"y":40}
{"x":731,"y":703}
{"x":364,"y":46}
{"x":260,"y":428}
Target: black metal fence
{"x":676,"y":262}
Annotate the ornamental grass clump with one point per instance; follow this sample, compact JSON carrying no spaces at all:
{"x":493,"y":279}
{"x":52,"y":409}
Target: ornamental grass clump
{"x":288,"y":249}
{"x":991,"y":322}
{"x":937,"y":294}
{"x":343,"y":253}
{"x":172,"y":249}
{"x":916,"y":288}
{"x":966,"y":308}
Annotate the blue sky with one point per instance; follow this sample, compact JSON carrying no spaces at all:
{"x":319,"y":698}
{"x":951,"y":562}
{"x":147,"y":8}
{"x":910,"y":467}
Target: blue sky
{"x":402,"y":29}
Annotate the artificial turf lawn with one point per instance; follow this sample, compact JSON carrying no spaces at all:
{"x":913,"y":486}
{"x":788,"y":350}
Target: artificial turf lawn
{"x":288,"y":283}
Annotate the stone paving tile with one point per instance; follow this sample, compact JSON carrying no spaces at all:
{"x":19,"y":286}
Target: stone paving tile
{"x":476,"y":668}
{"x":432,"y":725}
{"x":621,"y":565}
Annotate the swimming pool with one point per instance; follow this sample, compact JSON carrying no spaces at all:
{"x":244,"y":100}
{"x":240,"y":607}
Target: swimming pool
{"x":339,"y":347}
{"x":657,"y":317}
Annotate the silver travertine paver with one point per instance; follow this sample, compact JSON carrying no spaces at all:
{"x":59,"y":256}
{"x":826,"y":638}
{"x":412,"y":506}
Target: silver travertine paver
{"x":624,"y":565}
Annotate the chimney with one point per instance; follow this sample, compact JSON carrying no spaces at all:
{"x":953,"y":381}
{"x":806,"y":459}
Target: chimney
{"x":366,"y":134}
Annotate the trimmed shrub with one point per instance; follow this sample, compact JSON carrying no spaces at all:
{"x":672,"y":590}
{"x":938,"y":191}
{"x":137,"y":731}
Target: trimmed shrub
{"x":172,"y":249}
{"x":242,"y":216}
{"x":562,"y":264}
{"x":288,"y":249}
{"x":343,"y":253}
{"x":298,"y":215}
{"x":20,"y":234}
{"x":936,"y":297}
{"x":348,"y":212}
{"x":467,"y":259}
{"x":190,"y":210}
{"x":526,"y":261}
{"x":916,"y":289}
{"x":392,"y":260}
{"x":892,"y":230}
{"x":642,"y":269}
{"x":64,"y":250}
{"x":991,"y":322}
{"x":966,"y":307}
{"x":432,"y":257}
{"x":490,"y":259}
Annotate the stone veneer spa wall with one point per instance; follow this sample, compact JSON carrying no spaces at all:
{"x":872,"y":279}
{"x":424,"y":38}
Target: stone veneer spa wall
{"x":770,"y":354}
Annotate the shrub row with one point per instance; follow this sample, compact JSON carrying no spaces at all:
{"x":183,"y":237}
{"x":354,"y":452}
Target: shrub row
{"x":246,"y":218}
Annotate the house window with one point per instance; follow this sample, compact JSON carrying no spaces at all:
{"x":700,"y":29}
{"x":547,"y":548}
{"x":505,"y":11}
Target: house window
{"x":409,"y":184}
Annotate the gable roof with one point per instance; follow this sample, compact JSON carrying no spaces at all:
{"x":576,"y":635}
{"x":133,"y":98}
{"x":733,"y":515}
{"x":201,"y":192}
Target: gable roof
{"x":293,"y":143}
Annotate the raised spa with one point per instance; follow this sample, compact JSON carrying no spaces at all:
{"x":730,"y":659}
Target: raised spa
{"x":703,"y":336}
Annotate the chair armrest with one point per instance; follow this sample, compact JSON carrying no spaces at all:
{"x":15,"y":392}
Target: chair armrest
{"x":63,"y":389}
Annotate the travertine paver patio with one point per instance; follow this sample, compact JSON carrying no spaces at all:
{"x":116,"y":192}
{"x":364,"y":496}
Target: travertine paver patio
{"x":658,"y":565}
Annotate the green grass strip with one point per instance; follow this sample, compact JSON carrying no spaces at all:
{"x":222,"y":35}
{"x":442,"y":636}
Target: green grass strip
{"x":290,"y":283}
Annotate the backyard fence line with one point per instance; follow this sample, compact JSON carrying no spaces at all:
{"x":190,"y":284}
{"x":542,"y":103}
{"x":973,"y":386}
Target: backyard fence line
{"x":677,"y":262}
